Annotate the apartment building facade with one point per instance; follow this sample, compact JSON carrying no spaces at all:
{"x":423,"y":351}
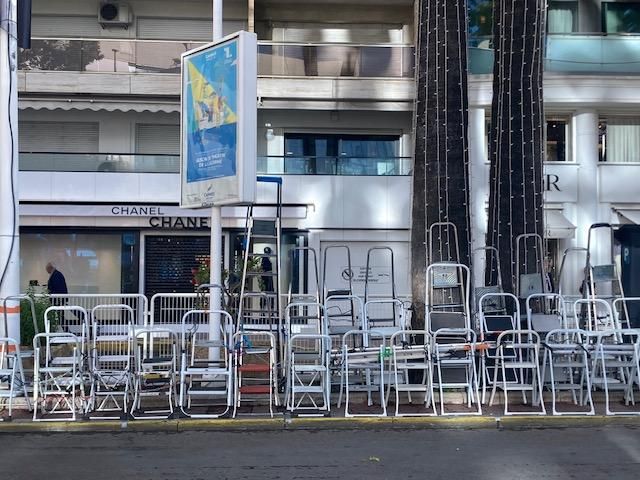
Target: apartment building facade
{"x":99,"y":133}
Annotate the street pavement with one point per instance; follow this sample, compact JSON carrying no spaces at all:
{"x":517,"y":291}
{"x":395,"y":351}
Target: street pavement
{"x":607,"y":452}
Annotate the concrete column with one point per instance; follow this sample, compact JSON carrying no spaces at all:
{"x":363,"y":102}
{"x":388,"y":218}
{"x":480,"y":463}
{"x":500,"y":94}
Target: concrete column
{"x":585,"y":148}
{"x":479,"y":190}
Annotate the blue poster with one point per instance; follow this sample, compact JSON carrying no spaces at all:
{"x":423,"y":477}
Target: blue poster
{"x":211,"y":112}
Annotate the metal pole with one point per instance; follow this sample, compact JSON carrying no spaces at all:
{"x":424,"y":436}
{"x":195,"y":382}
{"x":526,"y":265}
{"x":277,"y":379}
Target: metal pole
{"x":215,"y":269}
{"x":9,"y":220}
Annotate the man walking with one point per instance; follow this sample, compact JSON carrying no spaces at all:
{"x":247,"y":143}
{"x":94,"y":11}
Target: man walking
{"x":57,"y":283}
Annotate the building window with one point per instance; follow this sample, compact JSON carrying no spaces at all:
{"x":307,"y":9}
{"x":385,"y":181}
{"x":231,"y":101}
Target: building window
{"x":92,"y":262}
{"x":557,"y":132}
{"x":619,"y":139}
{"x":334,"y":154}
{"x":621,"y":17}
{"x":562,"y":17}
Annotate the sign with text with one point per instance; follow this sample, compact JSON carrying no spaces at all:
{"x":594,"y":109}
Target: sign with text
{"x":218,"y":123}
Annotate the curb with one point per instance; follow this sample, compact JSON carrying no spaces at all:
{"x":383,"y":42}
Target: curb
{"x":524,"y":422}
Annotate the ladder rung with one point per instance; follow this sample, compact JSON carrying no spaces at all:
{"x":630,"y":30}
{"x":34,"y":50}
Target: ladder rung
{"x":255,"y":389}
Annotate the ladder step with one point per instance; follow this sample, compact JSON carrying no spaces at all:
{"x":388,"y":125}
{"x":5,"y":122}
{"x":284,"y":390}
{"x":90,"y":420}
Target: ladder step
{"x":262,"y":274}
{"x":254,"y":368}
{"x":255,"y":389}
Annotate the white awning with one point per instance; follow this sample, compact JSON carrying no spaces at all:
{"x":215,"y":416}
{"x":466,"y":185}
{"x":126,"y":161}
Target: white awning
{"x":556,"y":225}
{"x":628,"y":216}
{"x":98,"y":105}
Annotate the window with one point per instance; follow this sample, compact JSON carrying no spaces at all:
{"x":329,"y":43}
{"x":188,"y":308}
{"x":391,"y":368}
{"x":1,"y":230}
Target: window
{"x":562,"y":17}
{"x":332,"y":154}
{"x":92,"y":262}
{"x":621,"y":17}
{"x":620,"y":139}
{"x":556,"y":134}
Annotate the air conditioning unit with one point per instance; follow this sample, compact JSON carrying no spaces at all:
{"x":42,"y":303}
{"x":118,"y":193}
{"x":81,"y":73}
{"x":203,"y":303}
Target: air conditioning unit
{"x":114,"y":14}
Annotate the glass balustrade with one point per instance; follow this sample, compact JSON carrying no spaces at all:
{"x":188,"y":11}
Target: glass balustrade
{"x":280,"y":165}
{"x":274,"y":59}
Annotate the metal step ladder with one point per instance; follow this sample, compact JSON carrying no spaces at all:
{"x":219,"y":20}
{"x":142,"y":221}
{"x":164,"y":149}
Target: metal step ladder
{"x":603,"y":282}
{"x":260,"y":306}
{"x":340,"y":303}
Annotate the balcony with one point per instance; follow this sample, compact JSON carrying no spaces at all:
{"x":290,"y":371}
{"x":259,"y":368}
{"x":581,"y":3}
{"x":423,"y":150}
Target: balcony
{"x":274,"y":165}
{"x":274,"y":59}
{"x":574,"y":53}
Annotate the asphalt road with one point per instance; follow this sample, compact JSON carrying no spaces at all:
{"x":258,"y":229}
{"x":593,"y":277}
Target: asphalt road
{"x":580,"y":453}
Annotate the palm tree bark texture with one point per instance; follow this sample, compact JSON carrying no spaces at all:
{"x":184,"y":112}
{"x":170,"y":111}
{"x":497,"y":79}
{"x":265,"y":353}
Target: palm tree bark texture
{"x":441,"y":167}
{"x":516,"y":137}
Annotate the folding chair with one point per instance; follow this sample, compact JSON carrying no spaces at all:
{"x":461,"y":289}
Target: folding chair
{"x":12,"y":380}
{"x":519,"y":354}
{"x":308,"y":374}
{"x":411,"y":352}
{"x":154,"y":376}
{"x":366,"y":365}
{"x":566,"y":351}
{"x":616,"y":365}
{"x":492,"y":323}
{"x":111,"y":354}
{"x":255,"y":366}
{"x":206,"y":366}
{"x":58,"y":376}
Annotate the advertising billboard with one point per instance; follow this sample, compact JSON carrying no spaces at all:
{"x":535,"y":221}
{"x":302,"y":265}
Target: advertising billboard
{"x":218,"y":123}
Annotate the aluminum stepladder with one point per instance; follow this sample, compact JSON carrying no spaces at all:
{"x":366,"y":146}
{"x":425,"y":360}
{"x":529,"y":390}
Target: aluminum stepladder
{"x":454,"y":340}
{"x":342,"y":308}
{"x":570,"y":296}
{"x":491,"y":253}
{"x":12,"y":376}
{"x":307,"y":358}
{"x":111,"y":360}
{"x":206,"y":366}
{"x":411,"y":351}
{"x":529,"y":282}
{"x":11,"y":358}
{"x":260,"y":304}
{"x":605,"y":277}
{"x":386,"y":313}
{"x":492,"y":323}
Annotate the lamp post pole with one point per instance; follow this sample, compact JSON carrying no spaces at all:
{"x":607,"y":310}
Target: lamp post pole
{"x":9,"y":220}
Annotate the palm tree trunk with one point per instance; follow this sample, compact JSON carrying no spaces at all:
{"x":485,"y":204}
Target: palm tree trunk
{"x":441,"y":166}
{"x":516,"y":135}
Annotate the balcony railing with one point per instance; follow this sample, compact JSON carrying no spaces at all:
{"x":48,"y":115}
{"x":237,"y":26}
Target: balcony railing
{"x":565,"y":53}
{"x":588,"y":53}
{"x":98,"y":162}
{"x":358,"y":166}
{"x":274,"y":59}
{"x":279,"y":165}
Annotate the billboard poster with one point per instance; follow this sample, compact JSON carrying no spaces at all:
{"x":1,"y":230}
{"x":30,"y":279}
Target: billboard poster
{"x":219,"y":122}
{"x":211,"y":87}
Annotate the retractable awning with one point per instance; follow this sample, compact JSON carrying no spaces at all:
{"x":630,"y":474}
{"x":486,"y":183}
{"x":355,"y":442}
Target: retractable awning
{"x":556,"y":225}
{"x":628,"y":216}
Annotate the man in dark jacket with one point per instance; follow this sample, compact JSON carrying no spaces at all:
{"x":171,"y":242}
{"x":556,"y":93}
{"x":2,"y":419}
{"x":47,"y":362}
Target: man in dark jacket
{"x":57,"y":282}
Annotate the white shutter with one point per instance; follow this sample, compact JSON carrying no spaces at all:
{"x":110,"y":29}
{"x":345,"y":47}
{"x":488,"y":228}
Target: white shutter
{"x":174,"y":29}
{"x":158,"y":139}
{"x":338,"y":33}
{"x":59,"y":137}
{"x":65,"y":26}
{"x":183,"y":28}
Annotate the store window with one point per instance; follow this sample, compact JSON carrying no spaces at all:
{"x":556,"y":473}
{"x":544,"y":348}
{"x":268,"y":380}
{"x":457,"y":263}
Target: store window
{"x":557,"y":133}
{"x":334,"y":154}
{"x":621,"y":17}
{"x":562,"y":17}
{"x":92,"y":262}
{"x":619,"y":139}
